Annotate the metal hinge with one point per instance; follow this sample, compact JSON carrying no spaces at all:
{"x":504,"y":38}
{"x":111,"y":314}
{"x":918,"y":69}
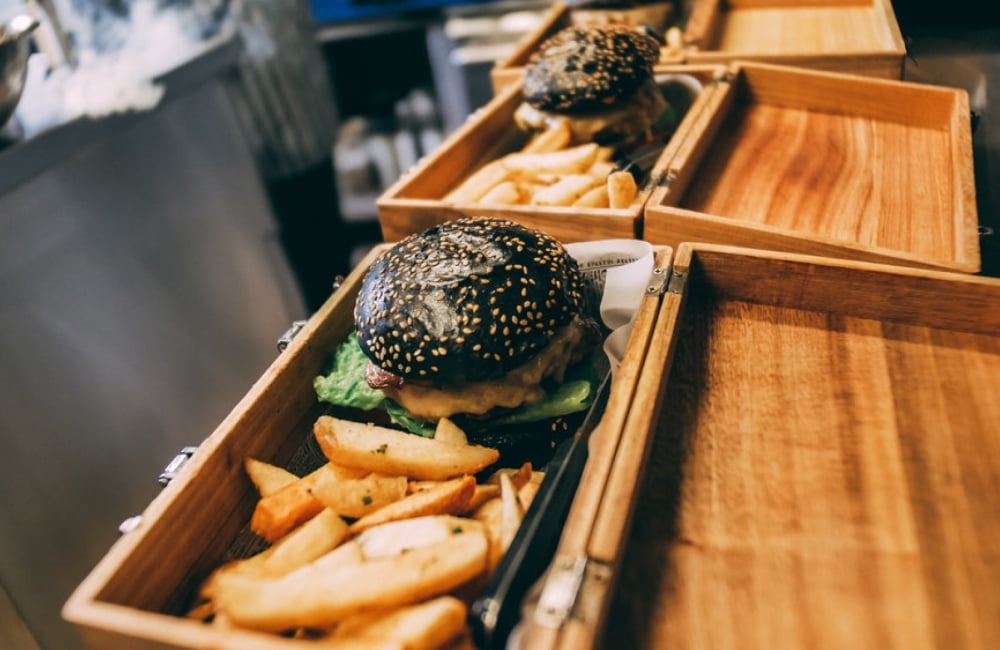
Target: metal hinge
{"x":725,"y":77}
{"x":657,"y":284}
{"x":678,"y":278}
{"x":574,"y":588}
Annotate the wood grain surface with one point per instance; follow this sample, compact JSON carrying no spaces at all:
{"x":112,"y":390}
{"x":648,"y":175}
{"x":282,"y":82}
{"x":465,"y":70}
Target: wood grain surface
{"x":833,"y":176}
{"x":818,"y":480}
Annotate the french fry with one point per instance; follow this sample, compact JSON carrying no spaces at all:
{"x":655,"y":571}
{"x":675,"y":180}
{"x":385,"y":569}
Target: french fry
{"x":556,"y":136}
{"x":526,"y":494}
{"x":518,"y":475}
{"x":322,"y":598}
{"x":574,"y":160}
{"x":566,"y":191}
{"x":424,"y":626}
{"x":449,"y":432}
{"x":347,"y":553}
{"x":450,"y":497}
{"x":388,"y":451}
{"x":505,"y":193}
{"x":357,"y":497}
{"x":622,"y":189}
{"x":511,"y":512}
{"x":306,"y":543}
{"x":601,"y":169}
{"x":267,"y":478}
{"x":490,"y":515}
{"x":279,"y":512}
{"x":484,"y":492}
{"x":596,"y":197}
{"x":479,"y":182}
{"x":395,"y":537}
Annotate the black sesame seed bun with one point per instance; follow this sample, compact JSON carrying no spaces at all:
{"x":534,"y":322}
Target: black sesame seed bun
{"x":585,"y":69}
{"x":465,"y":301}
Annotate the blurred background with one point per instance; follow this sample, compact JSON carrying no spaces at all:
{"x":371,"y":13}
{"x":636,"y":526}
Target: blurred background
{"x":181,"y":180}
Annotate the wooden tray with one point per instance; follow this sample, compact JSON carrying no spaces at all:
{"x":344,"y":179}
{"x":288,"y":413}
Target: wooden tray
{"x":136,"y":597}
{"x":816,"y":448}
{"x":826,"y":164}
{"x":415,"y":202}
{"x":855,"y":36}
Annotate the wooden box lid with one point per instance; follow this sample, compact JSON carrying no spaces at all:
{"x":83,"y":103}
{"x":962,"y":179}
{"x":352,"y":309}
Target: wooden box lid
{"x":416,"y":201}
{"x":826,"y":164}
{"x":856,"y":36}
{"x":810,"y":461}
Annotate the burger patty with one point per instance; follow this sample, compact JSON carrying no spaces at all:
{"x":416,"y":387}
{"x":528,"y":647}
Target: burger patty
{"x":519,"y":386}
{"x":631,"y":119}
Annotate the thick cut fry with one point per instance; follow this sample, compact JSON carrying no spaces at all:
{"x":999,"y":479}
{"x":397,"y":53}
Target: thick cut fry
{"x":565,"y":192}
{"x":518,"y":476}
{"x":601,"y":169}
{"x":322,"y":598}
{"x":479,"y":183}
{"x":281,"y":511}
{"x":345,"y":554}
{"x":357,"y":497}
{"x":484,"y":492}
{"x":425,"y":626}
{"x":449,"y":432}
{"x":511,"y":512}
{"x":526,"y":494}
{"x":395,"y":537}
{"x":388,"y":451}
{"x":556,"y":136}
{"x":622,"y":189}
{"x":306,"y":543}
{"x":506,"y":193}
{"x":574,"y":160}
{"x":267,"y":478}
{"x":490,"y":514}
{"x":596,"y":197}
{"x":449,"y":498}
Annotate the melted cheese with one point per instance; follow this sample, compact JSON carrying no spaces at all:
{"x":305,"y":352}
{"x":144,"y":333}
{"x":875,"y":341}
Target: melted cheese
{"x":517,"y":387}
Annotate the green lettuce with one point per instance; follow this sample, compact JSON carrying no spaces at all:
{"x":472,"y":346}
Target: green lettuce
{"x":343,"y":384}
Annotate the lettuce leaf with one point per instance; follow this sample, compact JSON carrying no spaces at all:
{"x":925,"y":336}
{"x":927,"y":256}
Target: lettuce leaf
{"x":343,"y":384}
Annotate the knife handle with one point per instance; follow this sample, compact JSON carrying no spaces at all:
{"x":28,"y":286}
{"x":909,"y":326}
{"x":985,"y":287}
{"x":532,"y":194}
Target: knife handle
{"x":493,"y":615}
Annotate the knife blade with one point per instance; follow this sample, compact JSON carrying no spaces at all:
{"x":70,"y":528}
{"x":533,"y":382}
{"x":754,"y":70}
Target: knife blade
{"x":494,"y":613}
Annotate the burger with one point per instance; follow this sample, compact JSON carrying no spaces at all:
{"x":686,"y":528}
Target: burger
{"x":599,"y":78}
{"x":480,"y":320}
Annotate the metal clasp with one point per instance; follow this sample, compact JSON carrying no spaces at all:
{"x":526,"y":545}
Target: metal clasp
{"x":285,"y":339}
{"x":174,"y":467}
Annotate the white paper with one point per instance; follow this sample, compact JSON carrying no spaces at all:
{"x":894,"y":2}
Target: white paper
{"x":618,"y":271}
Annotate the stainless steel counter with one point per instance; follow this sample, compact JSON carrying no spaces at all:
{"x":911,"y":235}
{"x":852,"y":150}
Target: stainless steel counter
{"x":142,"y":290}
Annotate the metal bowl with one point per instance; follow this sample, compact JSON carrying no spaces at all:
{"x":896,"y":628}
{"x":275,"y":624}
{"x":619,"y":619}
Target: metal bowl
{"x":14,"y":49}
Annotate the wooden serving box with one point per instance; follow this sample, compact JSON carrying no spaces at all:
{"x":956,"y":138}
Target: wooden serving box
{"x":811,"y":460}
{"x":855,"y":36}
{"x":826,"y":164}
{"x":415,"y":201}
{"x":136,"y":597}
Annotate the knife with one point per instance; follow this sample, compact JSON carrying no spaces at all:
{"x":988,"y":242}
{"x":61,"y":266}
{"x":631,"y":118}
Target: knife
{"x":494,"y":613}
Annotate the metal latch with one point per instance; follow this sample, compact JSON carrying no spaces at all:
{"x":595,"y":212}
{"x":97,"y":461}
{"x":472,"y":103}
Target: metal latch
{"x":285,"y":339}
{"x":174,"y":467}
{"x":574,"y":588}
